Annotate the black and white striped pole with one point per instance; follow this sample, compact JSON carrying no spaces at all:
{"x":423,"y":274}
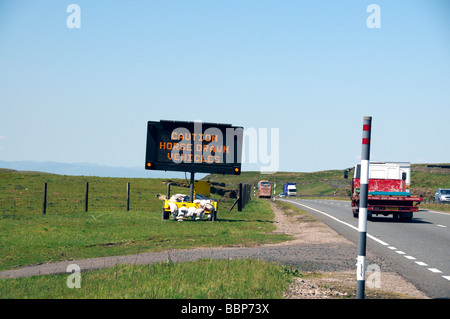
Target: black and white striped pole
{"x":362,"y":222}
{"x":274,"y":188}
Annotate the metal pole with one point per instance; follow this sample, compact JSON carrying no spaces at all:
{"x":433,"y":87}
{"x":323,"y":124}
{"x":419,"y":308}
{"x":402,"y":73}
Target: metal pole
{"x":274,"y":189}
{"x":86,"y":198}
{"x":44,"y":206}
{"x":168,"y":191}
{"x":128,"y":197}
{"x":191,"y":192}
{"x":362,"y":222}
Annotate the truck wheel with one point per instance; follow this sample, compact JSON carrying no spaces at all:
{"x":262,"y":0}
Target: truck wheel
{"x":406,"y":217}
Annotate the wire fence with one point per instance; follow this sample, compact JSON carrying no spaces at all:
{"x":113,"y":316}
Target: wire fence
{"x":56,"y":197}
{"x":67,"y":195}
{"x":245,"y":191}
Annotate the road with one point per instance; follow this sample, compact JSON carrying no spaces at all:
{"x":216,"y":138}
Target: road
{"x":418,"y":250}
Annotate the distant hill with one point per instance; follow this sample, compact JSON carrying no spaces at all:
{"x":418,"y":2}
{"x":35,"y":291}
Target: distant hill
{"x":89,"y":169}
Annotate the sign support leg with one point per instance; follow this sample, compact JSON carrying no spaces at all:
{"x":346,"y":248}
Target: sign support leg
{"x":191,"y":192}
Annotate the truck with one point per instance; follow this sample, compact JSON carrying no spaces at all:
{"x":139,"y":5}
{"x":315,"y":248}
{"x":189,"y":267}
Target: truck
{"x":388,"y":191}
{"x":290,"y":189}
{"x":264,"y":189}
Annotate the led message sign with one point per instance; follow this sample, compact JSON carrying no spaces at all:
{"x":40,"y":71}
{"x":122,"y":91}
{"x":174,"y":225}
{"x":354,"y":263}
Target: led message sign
{"x":194,"y":147}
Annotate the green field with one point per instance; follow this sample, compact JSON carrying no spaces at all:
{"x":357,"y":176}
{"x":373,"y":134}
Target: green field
{"x":67,"y":232}
{"x":107,"y":229}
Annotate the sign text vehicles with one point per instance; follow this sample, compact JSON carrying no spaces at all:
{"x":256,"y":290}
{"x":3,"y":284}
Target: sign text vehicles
{"x":194,"y":147}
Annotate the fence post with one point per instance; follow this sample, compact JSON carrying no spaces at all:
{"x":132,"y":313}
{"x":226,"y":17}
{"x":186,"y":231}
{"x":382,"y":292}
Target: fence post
{"x":240,"y":198}
{"x":128,"y":197}
{"x":44,"y":205}
{"x":86,"y":198}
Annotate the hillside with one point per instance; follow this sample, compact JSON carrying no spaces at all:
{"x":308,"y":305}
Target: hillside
{"x":21,"y":190}
{"x":425,"y":179}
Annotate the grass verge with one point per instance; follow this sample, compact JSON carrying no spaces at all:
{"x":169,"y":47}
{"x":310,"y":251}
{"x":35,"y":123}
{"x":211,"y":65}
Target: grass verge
{"x":207,"y":278}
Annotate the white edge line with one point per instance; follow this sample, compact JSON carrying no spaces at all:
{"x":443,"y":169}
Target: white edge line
{"x":342,"y":222}
{"x":421,"y":263}
{"x":372,"y":237}
{"x":434,"y":212}
{"x":435,"y":270}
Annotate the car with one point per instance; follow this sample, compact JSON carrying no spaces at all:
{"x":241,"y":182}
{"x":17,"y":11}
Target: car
{"x":282,"y":195}
{"x":442,"y":195}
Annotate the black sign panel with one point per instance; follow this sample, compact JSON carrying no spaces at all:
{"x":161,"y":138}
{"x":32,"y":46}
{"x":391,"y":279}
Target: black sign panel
{"x":194,"y":147}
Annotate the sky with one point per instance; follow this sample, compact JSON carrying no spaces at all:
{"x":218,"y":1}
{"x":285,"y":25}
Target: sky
{"x":307,"y":72}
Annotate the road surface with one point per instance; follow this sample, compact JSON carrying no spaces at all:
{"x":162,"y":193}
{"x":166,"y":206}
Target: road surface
{"x":418,"y":250}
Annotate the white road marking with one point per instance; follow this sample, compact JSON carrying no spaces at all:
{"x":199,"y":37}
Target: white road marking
{"x":443,"y":226}
{"x":421,"y":263}
{"x":342,"y":222}
{"x":435,"y":270}
{"x":434,"y":212}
